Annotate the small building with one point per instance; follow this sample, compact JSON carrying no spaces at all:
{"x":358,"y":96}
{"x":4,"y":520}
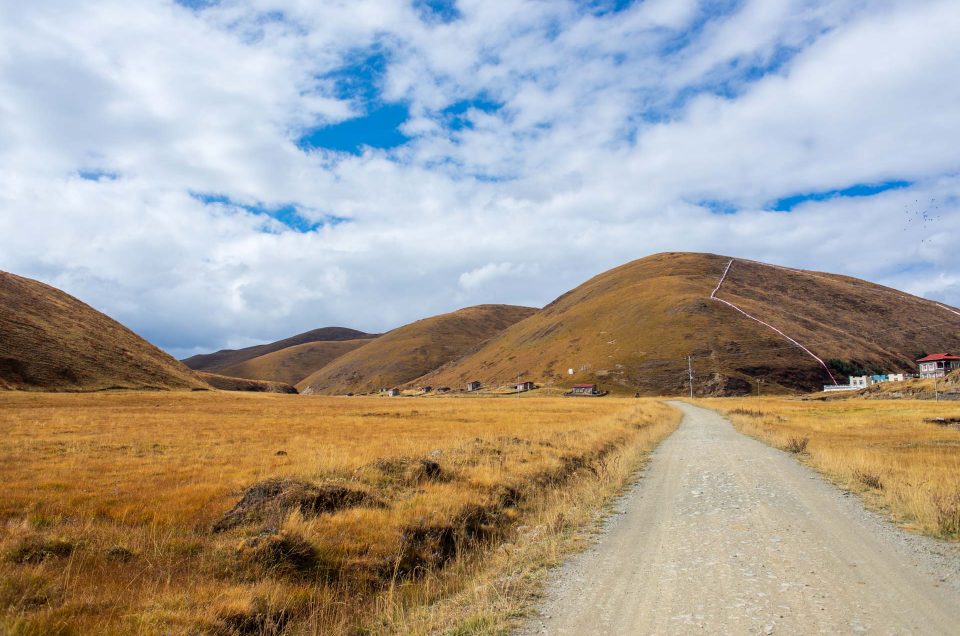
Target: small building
{"x":524,"y":386}
{"x":861,"y":381}
{"x":938,"y":365}
{"x":443,"y":389}
{"x":426,"y":389}
{"x":473,"y":386}
{"x":586,"y":389}
{"x":829,"y":388}
{"x":392,"y":392}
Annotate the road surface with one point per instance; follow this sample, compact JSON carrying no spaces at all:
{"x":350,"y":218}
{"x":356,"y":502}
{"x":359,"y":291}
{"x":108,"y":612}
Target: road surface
{"x":725,"y":535}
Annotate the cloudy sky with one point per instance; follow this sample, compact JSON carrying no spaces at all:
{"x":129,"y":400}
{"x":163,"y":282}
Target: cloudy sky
{"x":221,"y":173}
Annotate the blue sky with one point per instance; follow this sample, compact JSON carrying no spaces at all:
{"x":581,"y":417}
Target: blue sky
{"x":291,"y":165}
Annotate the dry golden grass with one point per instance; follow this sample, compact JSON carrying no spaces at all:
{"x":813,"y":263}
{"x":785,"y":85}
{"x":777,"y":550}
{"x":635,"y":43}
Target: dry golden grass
{"x":452,"y":507}
{"x":887,"y":450}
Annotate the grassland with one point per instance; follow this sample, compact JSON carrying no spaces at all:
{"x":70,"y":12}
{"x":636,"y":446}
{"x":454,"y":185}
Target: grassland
{"x":262,"y":514}
{"x":889,"y":451}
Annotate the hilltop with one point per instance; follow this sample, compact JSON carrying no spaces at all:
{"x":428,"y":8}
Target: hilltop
{"x":220,"y":361}
{"x":408,"y":352}
{"x":50,"y":340}
{"x":293,"y":364}
{"x":632,"y":328}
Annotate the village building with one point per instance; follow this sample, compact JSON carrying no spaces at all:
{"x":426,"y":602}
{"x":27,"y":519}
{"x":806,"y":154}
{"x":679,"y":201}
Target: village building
{"x":585,"y":389}
{"x":524,"y":386}
{"x":938,"y":365}
{"x":392,"y":392}
{"x":473,"y":386}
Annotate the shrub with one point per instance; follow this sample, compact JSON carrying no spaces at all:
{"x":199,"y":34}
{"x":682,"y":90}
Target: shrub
{"x":869,"y":479}
{"x":796,"y":445}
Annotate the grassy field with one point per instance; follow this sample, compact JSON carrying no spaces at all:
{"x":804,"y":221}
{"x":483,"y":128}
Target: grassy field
{"x":889,"y":451}
{"x":235,"y":513}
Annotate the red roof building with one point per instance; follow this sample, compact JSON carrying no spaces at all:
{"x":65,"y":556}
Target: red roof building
{"x":938,"y":365}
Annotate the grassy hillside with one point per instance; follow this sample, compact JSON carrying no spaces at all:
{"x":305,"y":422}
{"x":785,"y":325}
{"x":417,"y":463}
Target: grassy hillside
{"x":292,"y":364}
{"x":228,"y":383}
{"x":632,"y":328}
{"x":51,"y":341}
{"x":408,"y":352}
{"x":221,"y":360}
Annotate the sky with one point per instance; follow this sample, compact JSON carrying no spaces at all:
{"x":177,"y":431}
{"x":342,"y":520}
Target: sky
{"x":222,"y":173}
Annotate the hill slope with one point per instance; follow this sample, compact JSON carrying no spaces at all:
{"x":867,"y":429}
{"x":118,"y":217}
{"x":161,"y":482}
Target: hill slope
{"x":220,"y":360}
{"x":229,"y":383}
{"x":49,"y":340}
{"x":408,"y":352}
{"x":632,"y":328}
{"x":294,"y":363}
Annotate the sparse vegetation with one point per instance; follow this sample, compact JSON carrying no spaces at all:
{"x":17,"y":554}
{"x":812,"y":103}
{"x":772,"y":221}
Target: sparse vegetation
{"x":796,"y":445}
{"x":891,"y":452}
{"x":178,"y":512}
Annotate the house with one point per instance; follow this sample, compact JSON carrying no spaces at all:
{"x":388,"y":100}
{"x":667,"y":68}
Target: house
{"x":392,"y":392}
{"x":443,"y":389}
{"x":524,"y":386}
{"x":938,"y":365}
{"x":473,"y":386}
{"x":426,"y":389}
{"x":586,"y":389}
{"x":861,"y":381}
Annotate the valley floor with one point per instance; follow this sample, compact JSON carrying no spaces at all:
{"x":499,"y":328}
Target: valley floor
{"x":725,"y":535}
{"x":229,"y":513}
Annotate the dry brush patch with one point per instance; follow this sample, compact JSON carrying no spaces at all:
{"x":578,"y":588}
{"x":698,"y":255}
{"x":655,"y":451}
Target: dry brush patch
{"x":898,"y":454}
{"x":267,"y":514}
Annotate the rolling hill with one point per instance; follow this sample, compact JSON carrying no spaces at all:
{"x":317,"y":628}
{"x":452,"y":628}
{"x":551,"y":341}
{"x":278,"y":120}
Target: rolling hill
{"x":632,"y":329}
{"x":294,"y":363}
{"x":409,"y":352}
{"x":229,"y":383}
{"x":219,"y":361}
{"x":51,"y":341}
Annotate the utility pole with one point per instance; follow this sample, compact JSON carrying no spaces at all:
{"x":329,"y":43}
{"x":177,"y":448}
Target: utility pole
{"x":936,"y":392}
{"x":758,"y":386}
{"x":690,"y":374}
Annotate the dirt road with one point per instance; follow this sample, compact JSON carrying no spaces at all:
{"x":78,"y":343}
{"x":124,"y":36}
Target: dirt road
{"x":724,"y":535}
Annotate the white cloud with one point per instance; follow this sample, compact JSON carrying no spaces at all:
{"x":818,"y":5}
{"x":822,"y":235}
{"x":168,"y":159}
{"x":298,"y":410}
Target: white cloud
{"x":613,"y":130}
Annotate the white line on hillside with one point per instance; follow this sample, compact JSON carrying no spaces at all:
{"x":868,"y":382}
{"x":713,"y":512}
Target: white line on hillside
{"x":947,"y":308}
{"x":713,"y":296}
{"x":722,"y":278}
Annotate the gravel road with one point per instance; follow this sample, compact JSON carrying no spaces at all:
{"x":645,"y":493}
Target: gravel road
{"x":725,"y":535}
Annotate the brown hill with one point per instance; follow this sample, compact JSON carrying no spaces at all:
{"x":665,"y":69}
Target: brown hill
{"x":220,"y":360}
{"x":51,"y":341}
{"x":294,"y":363}
{"x":408,"y":352}
{"x":227,"y":383}
{"x":632,"y":328}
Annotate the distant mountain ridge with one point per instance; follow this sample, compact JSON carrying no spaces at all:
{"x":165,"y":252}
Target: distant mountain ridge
{"x":738,"y":326}
{"x":408,"y":352}
{"x":219,"y":360}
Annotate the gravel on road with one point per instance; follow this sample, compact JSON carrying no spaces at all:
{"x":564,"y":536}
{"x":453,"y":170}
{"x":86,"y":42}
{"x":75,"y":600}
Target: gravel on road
{"x":725,"y":535}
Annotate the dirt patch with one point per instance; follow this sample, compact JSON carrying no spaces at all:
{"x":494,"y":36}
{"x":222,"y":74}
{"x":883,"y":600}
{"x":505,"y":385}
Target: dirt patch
{"x":271,"y":500}
{"x":429,"y":547}
{"x":411,"y":471}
